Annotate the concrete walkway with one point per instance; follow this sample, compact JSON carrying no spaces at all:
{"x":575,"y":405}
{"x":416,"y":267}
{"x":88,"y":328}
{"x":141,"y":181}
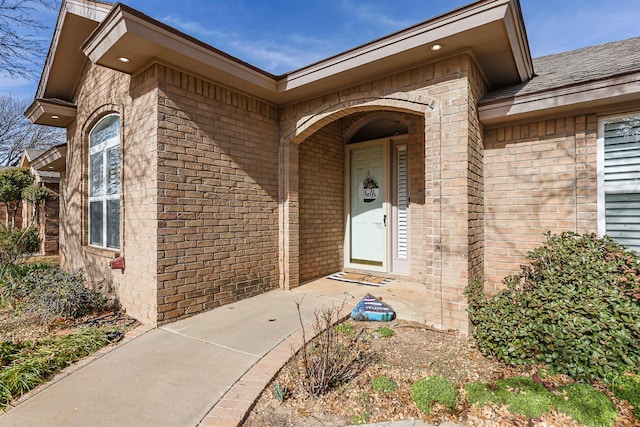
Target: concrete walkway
{"x":207,"y":370}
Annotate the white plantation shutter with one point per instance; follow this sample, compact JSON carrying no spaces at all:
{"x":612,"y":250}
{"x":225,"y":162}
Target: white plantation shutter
{"x":622,"y":180}
{"x":402,"y":203}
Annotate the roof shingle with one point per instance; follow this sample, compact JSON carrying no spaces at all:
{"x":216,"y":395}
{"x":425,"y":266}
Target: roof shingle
{"x":576,"y":66}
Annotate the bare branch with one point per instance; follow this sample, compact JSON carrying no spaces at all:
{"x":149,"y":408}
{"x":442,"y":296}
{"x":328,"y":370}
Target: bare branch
{"x":20,"y":46}
{"x":17,"y":133}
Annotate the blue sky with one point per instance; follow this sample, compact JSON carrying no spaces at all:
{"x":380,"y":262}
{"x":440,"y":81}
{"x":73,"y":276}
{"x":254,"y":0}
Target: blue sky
{"x":283,"y":35}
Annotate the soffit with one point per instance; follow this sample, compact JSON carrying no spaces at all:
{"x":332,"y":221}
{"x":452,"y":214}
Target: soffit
{"x":51,"y":112}
{"x":65,"y":59}
{"x":492,"y":30}
{"x":52,"y":160}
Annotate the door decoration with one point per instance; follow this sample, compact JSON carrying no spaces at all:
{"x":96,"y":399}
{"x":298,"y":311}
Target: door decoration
{"x":370,"y":189}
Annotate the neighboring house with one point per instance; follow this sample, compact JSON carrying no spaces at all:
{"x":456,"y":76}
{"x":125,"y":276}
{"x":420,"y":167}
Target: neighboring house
{"x":3,"y":210}
{"x":439,"y":154}
{"x":47,"y":213}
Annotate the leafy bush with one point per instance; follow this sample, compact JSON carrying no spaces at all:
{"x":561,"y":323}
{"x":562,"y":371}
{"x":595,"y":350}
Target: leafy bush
{"x":521,"y":395}
{"x":51,"y":294}
{"x":586,"y":405}
{"x":35,"y":194}
{"x":575,"y":309}
{"x":383,"y":384}
{"x":16,"y":243}
{"x":627,"y":387}
{"x":432,"y":389}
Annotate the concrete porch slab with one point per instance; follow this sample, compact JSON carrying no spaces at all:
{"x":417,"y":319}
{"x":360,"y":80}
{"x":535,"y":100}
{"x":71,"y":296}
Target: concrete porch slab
{"x":408,"y":299}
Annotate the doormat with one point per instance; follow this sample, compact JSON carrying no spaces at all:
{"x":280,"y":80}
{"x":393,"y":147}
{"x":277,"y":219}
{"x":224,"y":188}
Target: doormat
{"x":361,"y":279}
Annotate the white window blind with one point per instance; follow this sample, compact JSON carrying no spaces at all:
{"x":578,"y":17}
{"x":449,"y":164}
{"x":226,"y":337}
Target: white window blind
{"x":402,"y":203}
{"x":621,"y":180}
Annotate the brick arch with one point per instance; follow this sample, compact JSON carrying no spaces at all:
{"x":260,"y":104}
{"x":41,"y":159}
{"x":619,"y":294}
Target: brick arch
{"x":98,"y":113}
{"x":322,"y":116}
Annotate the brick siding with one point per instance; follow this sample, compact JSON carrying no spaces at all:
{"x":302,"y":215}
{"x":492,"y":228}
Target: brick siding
{"x":217,"y":195}
{"x":539,"y":177}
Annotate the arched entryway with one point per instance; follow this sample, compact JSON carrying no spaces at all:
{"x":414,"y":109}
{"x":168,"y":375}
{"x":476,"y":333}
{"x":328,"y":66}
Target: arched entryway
{"x":336,"y":219}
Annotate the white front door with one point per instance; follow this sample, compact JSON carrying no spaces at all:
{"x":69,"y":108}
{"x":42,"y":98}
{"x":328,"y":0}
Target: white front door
{"x":368,"y":216}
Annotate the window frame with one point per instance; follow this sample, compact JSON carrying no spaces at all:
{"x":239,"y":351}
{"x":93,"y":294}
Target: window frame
{"x":104,"y":148}
{"x":600,"y":161}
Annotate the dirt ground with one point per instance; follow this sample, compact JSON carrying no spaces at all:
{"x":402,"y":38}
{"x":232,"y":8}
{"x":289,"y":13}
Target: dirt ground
{"x":414,"y":351}
{"x":20,"y":328}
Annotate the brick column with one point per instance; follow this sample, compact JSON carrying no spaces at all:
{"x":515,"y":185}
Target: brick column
{"x":288,"y":207}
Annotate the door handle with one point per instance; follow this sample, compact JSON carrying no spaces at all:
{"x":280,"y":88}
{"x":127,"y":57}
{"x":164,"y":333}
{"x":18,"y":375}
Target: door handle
{"x":384,"y":218}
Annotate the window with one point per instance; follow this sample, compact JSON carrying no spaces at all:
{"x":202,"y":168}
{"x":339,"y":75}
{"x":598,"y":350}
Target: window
{"x":619,"y":180}
{"x":104,"y":183}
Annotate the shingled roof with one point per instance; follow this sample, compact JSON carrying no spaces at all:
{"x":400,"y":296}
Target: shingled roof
{"x":575,"y":67}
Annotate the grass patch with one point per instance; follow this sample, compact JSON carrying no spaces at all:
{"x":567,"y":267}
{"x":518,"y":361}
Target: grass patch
{"x":627,"y":387}
{"x":430,"y":390}
{"x":28,"y":364}
{"x":383,"y":384}
{"x":520,"y":394}
{"x":385,"y":332}
{"x":361,"y":418}
{"x":586,"y":405}
{"x":345,"y":329}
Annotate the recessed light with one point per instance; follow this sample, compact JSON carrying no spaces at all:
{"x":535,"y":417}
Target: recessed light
{"x":124,"y":59}
{"x":436,"y":47}
{"x":54,"y":117}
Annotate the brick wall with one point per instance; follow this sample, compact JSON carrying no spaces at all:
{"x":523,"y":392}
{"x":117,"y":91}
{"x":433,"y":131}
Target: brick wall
{"x":539,"y":177}
{"x":102,"y":91}
{"x":217,"y":195}
{"x":321,"y":193}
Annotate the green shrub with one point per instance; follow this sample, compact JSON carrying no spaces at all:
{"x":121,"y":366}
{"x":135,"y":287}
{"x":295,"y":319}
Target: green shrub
{"x":383,"y":384}
{"x":51,"y":294}
{"x":17,"y":243}
{"x":586,"y":405}
{"x":521,"y":395}
{"x":432,"y":389}
{"x":627,"y":387}
{"x":575,"y":309}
